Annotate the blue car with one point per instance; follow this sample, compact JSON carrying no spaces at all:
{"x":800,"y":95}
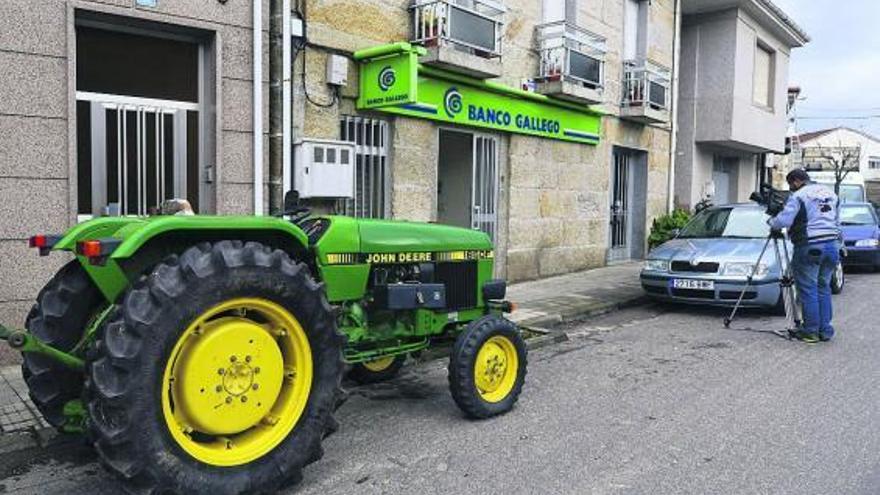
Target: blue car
{"x":861,"y":235}
{"x":710,"y":259}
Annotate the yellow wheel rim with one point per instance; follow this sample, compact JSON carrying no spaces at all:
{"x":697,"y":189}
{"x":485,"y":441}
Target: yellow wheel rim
{"x":378,"y":365}
{"x":495,"y":369}
{"x":237,"y":381}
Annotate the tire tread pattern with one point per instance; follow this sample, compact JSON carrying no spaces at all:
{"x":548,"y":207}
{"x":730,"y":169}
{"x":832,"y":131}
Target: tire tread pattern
{"x":116,"y":394}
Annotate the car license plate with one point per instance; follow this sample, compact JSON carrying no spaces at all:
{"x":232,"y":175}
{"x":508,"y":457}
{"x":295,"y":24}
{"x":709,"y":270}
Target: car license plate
{"x":686,"y":283}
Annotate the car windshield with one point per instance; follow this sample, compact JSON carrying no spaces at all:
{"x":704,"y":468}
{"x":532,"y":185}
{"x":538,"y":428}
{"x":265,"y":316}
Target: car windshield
{"x":856,"y":215}
{"x":732,"y":222}
{"x":849,"y":193}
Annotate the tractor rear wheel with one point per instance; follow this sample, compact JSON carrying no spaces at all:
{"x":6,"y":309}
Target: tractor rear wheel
{"x":65,"y":308}
{"x":377,"y":370}
{"x":218,"y":373}
{"x":487,"y":368}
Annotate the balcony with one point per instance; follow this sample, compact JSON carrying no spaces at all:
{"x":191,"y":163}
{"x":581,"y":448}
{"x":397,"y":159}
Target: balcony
{"x":645,"y":93}
{"x":572,"y":63}
{"x":462,"y":36}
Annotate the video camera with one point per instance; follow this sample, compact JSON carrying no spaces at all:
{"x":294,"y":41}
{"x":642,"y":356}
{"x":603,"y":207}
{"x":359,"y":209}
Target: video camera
{"x":771,"y":199}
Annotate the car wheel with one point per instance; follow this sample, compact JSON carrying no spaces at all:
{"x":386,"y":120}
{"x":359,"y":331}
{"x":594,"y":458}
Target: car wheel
{"x":838,"y":279}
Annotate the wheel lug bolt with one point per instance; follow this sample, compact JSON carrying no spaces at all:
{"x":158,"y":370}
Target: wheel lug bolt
{"x":244,"y":398}
{"x":219,"y":388}
{"x":247,"y":359}
{"x":255,"y":386}
{"x":229,"y":400}
{"x":221,"y":371}
{"x":257,"y":369}
{"x":233,"y":359}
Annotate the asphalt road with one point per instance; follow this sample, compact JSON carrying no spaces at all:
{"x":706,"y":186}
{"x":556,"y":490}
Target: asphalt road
{"x":654,"y":400}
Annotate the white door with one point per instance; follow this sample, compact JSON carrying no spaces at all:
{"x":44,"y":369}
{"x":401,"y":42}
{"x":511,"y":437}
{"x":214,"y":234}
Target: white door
{"x":484,"y":192}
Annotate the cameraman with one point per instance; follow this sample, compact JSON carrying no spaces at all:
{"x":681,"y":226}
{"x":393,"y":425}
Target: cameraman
{"x":810,"y":215}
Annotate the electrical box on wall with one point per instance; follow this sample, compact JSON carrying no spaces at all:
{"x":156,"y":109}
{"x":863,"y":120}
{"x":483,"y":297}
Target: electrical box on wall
{"x":324,"y":169}
{"x":337,"y":70}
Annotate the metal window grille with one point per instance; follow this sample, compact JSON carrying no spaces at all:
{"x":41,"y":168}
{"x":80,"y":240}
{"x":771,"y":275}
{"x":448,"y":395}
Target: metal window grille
{"x":370,"y":137}
{"x":138,"y":150}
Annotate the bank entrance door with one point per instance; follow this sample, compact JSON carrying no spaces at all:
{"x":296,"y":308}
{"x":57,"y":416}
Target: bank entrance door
{"x":467,"y":181}
{"x":627,"y":210}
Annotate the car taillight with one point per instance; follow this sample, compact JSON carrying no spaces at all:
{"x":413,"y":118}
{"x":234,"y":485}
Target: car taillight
{"x":43,"y":242}
{"x":97,"y":250}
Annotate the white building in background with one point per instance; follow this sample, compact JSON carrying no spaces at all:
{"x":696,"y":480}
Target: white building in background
{"x":837,"y":140}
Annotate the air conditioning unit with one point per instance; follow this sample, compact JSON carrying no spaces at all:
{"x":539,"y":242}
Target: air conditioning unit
{"x":324,"y":169}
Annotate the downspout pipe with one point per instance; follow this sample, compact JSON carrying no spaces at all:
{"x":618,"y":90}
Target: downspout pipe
{"x":673,"y":112}
{"x":286,"y":101}
{"x":276,"y":104}
{"x":258,"y":106}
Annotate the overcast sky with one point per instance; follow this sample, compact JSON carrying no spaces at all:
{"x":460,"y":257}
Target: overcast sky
{"x":839,"y":70}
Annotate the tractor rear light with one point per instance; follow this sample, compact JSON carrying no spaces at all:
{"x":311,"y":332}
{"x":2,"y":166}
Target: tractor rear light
{"x":43,"y":242}
{"x":97,"y":250}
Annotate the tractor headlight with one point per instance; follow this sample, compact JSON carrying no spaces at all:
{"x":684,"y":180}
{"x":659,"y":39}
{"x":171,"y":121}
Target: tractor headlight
{"x":745,"y":269}
{"x":867,"y":243}
{"x":656,"y":265}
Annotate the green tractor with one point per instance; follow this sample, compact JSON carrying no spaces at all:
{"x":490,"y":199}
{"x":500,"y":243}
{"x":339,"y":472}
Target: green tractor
{"x":204,"y":354}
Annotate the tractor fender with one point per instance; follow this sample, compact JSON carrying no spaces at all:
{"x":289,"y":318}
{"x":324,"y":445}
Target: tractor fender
{"x":275,"y":232}
{"x":148,"y":241}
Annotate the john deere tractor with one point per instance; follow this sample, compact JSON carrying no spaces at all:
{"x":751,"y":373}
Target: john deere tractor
{"x":204,"y":354}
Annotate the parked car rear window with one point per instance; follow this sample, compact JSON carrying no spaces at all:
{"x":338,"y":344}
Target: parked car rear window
{"x":849,"y":193}
{"x":856,"y":215}
{"x":727,"y":222}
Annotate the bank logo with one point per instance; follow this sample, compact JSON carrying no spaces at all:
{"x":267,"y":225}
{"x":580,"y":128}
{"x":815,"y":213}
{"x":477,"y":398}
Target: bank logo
{"x":387,"y":78}
{"x":452,"y":102}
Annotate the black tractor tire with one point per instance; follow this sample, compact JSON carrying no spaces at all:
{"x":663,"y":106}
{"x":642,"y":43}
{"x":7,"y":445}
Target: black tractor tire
{"x":363,"y":375}
{"x":462,"y":380}
{"x":125,"y":372}
{"x":838,"y":280}
{"x":64,"y":309}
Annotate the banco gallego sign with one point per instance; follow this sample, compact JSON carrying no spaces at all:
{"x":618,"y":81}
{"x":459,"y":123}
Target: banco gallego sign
{"x":394,"y":82}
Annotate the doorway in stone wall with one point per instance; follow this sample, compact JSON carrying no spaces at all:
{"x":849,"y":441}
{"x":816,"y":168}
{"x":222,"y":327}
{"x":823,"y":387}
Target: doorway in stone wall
{"x":627,"y":212}
{"x":467,"y":181}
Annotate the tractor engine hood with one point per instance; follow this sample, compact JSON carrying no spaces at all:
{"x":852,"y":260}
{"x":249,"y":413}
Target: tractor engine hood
{"x":387,"y":236}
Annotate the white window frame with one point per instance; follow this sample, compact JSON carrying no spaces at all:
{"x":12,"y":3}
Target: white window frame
{"x":767,"y":100}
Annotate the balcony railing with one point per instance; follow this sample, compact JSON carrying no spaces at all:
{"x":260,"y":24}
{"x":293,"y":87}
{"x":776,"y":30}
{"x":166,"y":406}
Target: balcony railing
{"x":571,"y":53}
{"x":471,"y":25}
{"x":645,"y":84}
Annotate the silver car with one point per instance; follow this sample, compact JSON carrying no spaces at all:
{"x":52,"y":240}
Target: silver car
{"x":710,"y":259}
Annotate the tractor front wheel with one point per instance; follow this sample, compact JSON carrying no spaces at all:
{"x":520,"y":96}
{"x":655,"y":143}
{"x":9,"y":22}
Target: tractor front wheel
{"x":487,"y":367}
{"x":218,"y":373}
{"x":377,"y":370}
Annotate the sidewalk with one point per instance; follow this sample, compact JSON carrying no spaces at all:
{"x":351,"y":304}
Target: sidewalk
{"x":546,"y":302}
{"x":541,"y":304}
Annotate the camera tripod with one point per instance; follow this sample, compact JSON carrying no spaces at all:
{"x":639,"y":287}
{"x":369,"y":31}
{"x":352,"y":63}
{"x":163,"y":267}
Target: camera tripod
{"x":786,"y":285}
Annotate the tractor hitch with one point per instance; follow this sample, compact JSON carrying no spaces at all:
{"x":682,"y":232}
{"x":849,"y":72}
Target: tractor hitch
{"x":22,"y":341}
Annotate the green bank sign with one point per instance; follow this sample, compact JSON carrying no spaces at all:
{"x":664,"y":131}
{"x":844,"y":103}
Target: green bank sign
{"x":391,"y":80}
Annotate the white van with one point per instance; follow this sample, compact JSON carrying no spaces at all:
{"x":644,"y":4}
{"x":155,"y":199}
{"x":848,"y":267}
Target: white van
{"x":852,"y":189}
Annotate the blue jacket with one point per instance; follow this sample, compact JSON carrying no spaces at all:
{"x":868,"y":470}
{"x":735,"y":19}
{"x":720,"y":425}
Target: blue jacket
{"x":810,"y":215}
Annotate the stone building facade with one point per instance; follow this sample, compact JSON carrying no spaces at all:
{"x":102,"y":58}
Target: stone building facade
{"x":555,"y":196}
{"x":97,"y":92}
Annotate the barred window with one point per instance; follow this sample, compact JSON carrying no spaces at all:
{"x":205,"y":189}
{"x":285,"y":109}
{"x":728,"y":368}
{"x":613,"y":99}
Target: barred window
{"x":370,"y":137}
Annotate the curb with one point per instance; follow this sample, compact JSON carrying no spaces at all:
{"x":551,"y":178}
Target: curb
{"x":584,"y":313}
